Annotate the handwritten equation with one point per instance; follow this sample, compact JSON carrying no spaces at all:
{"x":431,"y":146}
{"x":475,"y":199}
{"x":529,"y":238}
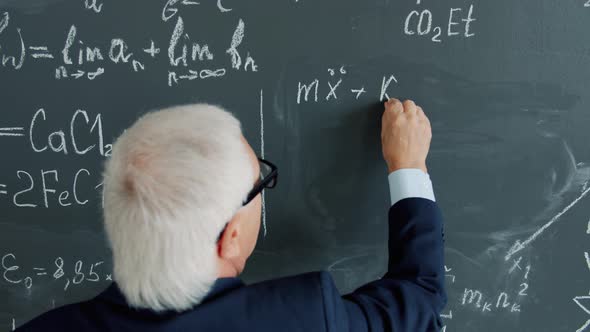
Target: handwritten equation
{"x":76,"y":59}
{"x":51,"y":187}
{"x":335,"y":88}
{"x":72,"y":274}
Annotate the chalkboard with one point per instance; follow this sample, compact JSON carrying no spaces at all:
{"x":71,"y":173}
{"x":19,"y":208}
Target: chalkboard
{"x":505,"y":84}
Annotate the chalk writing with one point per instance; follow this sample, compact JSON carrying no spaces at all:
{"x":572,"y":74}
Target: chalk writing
{"x":80,"y":60}
{"x":171,"y":8}
{"x":507,"y":301}
{"x":93,"y":5}
{"x":316,"y":90}
{"x":76,"y":274}
{"x":488,"y":304}
{"x":12,"y":131}
{"x":457,"y":23}
{"x":38,"y":189}
{"x":448,"y":274}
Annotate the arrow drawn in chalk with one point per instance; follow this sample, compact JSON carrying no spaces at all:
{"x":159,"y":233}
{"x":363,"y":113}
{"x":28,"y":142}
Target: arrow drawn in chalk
{"x":518,"y":246}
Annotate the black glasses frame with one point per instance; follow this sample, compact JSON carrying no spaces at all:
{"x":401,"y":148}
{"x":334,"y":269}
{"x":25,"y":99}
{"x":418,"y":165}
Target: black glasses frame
{"x":270,"y":181}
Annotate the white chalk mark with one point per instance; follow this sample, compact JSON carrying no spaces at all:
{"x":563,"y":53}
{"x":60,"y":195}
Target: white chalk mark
{"x":262,"y":124}
{"x":384,"y":86}
{"x":11,"y":128}
{"x":344,"y":259}
{"x":4,"y":21}
{"x":78,"y":74}
{"x":250,"y":63}
{"x":588,"y":230}
{"x":221,"y":8}
{"x":137,"y":66}
{"x":38,"y":48}
{"x":587,"y":259}
{"x":153,"y":50}
{"x":516,"y":265}
{"x":13,"y":324}
{"x":308,"y":88}
{"x":588,"y":321}
{"x":11,"y":134}
{"x":452,"y":276}
{"x":358,"y":92}
{"x":333,"y":89}
{"x":447,"y":316}
{"x":42,"y":56}
{"x":194,"y":74}
{"x":262,"y":156}
{"x":579,"y":300}
{"x":169,"y":11}
{"x":98,"y":72}
{"x":448,"y":275}
{"x":518,"y":246}
{"x":93,"y":5}
{"x":528,"y":269}
{"x":237,"y":39}
{"x":60,"y":72}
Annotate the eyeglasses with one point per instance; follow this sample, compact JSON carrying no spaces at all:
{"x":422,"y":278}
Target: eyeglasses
{"x":268,"y":179}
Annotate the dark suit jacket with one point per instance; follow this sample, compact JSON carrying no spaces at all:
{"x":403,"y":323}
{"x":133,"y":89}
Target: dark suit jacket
{"x":409,"y":297}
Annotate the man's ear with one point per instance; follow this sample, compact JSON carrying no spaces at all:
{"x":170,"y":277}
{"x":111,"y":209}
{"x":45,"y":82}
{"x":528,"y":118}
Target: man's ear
{"x":228,"y":246}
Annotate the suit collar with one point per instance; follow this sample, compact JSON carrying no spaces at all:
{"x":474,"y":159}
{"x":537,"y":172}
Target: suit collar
{"x":222,"y":285}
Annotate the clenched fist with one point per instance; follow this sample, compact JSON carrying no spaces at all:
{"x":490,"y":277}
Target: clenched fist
{"x":405,"y":135}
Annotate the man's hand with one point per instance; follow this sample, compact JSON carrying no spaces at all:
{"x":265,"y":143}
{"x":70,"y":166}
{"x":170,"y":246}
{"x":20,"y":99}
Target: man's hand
{"x":405,"y":135}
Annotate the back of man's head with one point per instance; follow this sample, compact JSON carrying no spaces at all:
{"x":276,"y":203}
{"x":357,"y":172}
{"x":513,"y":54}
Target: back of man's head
{"x":173,"y":181}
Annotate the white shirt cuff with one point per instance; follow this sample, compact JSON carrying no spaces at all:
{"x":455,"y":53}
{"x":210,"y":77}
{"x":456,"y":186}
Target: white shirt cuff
{"x":410,"y":183}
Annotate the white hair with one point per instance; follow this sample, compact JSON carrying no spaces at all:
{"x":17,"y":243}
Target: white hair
{"x":175,"y":178}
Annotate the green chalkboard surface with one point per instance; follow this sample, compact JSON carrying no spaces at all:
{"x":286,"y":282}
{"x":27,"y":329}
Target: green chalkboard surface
{"x":505,"y":83}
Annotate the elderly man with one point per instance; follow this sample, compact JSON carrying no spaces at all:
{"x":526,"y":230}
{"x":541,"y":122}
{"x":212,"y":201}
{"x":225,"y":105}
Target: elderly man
{"x":182,"y":210}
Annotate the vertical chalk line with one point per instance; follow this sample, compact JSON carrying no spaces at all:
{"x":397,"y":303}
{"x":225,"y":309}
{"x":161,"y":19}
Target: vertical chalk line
{"x":262,"y":156}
